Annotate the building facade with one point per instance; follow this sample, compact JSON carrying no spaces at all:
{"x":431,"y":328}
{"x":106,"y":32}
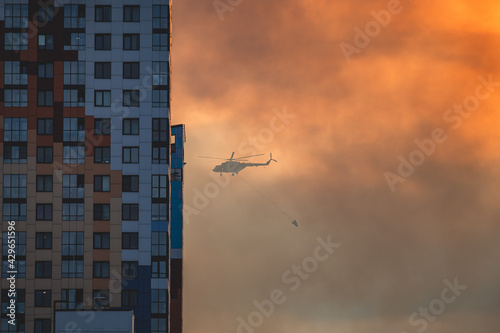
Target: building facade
{"x":90,"y":172}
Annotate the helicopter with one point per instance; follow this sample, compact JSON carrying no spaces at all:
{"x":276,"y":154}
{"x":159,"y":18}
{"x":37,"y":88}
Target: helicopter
{"x":235,"y":165}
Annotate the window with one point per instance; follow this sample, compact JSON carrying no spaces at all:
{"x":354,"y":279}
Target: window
{"x":72,"y":254}
{"x":159,"y":300}
{"x":74,"y":129}
{"x":130,"y":269}
{"x":15,"y":133}
{"x":43,"y":212}
{"x":159,"y":243}
{"x":74,"y":97}
{"x":15,"y":153}
{"x":73,"y":137}
{"x":14,"y":211}
{"x":74,"y":16}
{"x":19,"y":297}
{"x":130,"y":212}
{"x":160,"y":17}
{"x":101,"y":154}
{"x":44,"y":183}
{"x":103,"y":13}
{"x":73,"y":186}
{"x":42,"y":325}
{"x":101,"y":269}
{"x":72,"y":243}
{"x":160,"y":73}
{"x":43,"y":269}
{"x":46,"y":71}
{"x":131,"y":126}
{"x":74,"y":73}
{"x":130,"y":240}
{"x":15,"y":97}
{"x":19,"y":266}
{"x":16,"y":73}
{"x":45,"y":42}
{"x":100,"y":297}
{"x":74,"y":41}
{"x":43,"y":298}
{"x":102,"y":70}
{"x":20,"y":240}
{"x":45,"y":98}
{"x":43,"y":154}
{"x":129,"y":298}
{"x":72,"y":269}
{"x":102,"y":98}
{"x":72,"y":211}
{"x":101,"y":183}
{"x":161,"y":41}
{"x":159,"y":187}
{"x":14,"y":186}
{"x":160,"y":98}
{"x":130,"y":155}
{"x":43,"y":240}
{"x":103,"y":41}
{"x":159,"y":268}
{"x":131,"y":97}
{"x":131,"y":13}
{"x":101,"y":212}
{"x":131,"y":42}
{"x":130,"y":183}
{"x":160,"y":141}
{"x":73,"y":154}
{"x":46,"y":13}
{"x":45,"y":126}
{"x":160,"y":155}
{"x":15,"y":129}
{"x":20,"y":262}
{"x":159,"y":212}
{"x":101,"y":240}
{"x":130,"y":70}
{"x":158,"y":325}
{"x":160,"y":129}
{"x":16,"y":16}
{"x":73,"y":299}
{"x":16,"y":41}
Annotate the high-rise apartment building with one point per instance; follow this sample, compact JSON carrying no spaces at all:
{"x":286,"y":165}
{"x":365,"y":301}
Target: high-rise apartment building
{"x":91,"y":170}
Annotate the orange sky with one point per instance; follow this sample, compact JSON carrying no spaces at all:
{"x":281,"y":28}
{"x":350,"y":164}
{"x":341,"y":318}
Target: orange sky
{"x":352,"y":122}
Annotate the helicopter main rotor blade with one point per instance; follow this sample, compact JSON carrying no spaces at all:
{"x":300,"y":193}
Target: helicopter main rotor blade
{"x":217,"y":158}
{"x":247,"y":156}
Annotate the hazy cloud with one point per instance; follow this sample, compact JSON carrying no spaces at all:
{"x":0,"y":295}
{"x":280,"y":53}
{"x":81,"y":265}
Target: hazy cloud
{"x":353,"y":121}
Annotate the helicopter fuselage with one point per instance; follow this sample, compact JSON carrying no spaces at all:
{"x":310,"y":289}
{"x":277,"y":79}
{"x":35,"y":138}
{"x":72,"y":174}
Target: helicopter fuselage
{"x":234,"y":167}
